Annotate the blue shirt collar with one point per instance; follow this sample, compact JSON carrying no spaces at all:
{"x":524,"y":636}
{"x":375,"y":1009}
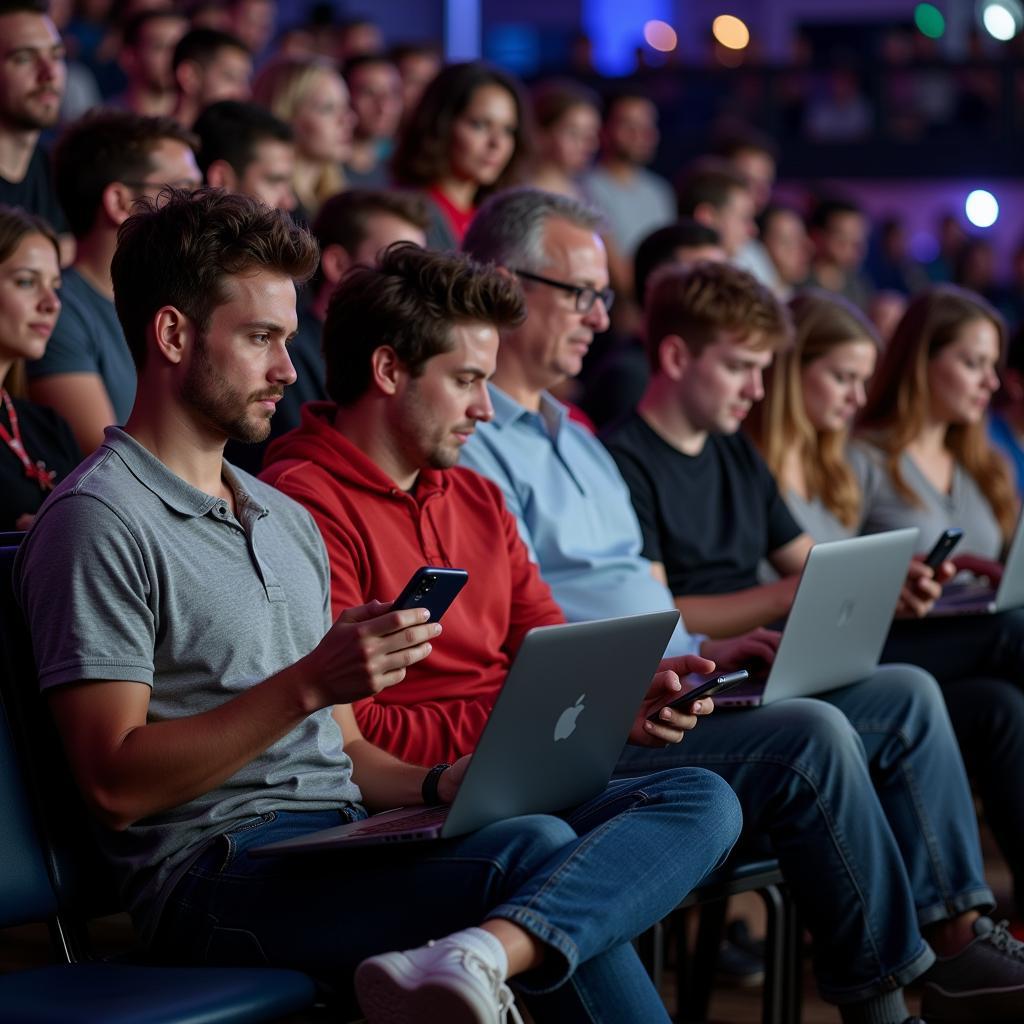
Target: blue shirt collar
{"x":507,"y":411}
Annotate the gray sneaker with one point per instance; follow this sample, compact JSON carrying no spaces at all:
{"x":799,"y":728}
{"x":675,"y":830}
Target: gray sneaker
{"x":983,"y":982}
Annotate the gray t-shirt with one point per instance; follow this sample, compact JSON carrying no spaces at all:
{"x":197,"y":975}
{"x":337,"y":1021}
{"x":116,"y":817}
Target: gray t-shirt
{"x":160,"y":584}
{"x":88,"y":339}
{"x":631,"y":211}
{"x":964,"y":506}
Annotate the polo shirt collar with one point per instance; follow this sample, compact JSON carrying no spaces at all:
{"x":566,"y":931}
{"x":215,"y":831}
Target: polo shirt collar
{"x":167,"y":486}
{"x":508,"y":411}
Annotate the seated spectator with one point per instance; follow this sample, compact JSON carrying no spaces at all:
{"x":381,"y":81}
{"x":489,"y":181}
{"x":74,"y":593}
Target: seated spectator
{"x":715,"y":194}
{"x":616,"y":384}
{"x":466,"y":136}
{"x":1006,"y":424}
{"x":573,"y":510}
{"x":212,"y":712}
{"x":418,"y":65}
{"x":813,"y":392}
{"x":253,"y":21}
{"x":103,"y":164}
{"x":209,"y":65}
{"x":785,"y":239}
{"x":312,"y":98}
{"x":889,"y":264}
{"x":567,"y":118}
{"x":148,"y":42}
{"x":975,"y":269}
{"x":885,"y":310}
{"x":31,"y":88}
{"x":38,"y":448}
{"x":839,"y":231}
{"x":356,"y":37}
{"x":376,"y":91}
{"x":840,"y":112}
{"x":633,"y":200}
{"x":244,"y":148}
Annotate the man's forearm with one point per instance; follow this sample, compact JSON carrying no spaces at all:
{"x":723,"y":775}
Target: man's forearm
{"x":726,"y":615}
{"x":382,"y":778}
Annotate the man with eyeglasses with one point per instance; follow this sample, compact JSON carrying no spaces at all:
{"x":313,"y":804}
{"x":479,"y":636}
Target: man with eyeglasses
{"x":103,"y":163}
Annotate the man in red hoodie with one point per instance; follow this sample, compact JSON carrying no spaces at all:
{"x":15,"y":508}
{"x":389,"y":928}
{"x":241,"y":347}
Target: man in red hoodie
{"x":409,"y":346}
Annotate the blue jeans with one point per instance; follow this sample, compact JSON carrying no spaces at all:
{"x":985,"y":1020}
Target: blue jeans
{"x":864,"y":799}
{"x":584,"y":885}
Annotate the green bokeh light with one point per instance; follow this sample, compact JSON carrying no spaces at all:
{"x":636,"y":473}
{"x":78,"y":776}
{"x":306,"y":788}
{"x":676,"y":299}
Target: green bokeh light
{"x":929,"y":20}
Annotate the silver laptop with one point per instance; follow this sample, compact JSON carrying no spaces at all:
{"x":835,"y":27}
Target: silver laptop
{"x":977,"y":598}
{"x":839,"y":619}
{"x":555,"y":734}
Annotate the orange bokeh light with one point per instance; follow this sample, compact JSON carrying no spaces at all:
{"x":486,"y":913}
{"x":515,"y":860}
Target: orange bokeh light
{"x":730,"y":32}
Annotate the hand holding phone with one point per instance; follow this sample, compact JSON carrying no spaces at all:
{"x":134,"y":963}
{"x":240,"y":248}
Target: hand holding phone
{"x":431,"y":588}
{"x":943,"y":548}
{"x":717,"y":683}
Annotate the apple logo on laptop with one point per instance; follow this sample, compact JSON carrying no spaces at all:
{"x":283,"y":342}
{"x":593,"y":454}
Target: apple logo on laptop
{"x":845,"y":613}
{"x":566,"y":724}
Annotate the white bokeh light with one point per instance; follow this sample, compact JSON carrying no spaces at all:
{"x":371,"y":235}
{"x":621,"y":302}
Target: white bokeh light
{"x":1001,"y":19}
{"x":982,"y":208}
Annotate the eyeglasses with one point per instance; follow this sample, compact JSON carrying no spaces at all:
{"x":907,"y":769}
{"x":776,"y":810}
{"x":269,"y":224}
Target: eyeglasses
{"x":585,"y":295}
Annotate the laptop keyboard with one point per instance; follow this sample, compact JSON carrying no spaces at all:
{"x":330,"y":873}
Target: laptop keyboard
{"x":427,"y":816}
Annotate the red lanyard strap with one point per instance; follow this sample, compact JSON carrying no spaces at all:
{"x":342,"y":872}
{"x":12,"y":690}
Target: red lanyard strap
{"x":12,"y":438}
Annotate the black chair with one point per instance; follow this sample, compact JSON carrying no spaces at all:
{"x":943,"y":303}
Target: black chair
{"x":43,"y":879}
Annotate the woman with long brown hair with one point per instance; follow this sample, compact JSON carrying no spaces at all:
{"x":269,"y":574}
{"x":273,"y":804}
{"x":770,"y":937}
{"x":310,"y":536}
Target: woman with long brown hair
{"x":37,"y":447}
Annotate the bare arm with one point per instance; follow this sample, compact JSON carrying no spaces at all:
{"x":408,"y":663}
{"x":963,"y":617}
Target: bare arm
{"x":82,"y":400}
{"x":789,"y":559}
{"x":726,"y":615}
{"x":128,"y":768}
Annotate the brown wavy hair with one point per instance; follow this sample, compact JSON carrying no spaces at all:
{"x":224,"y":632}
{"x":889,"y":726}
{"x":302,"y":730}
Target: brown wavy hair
{"x":898,"y":400}
{"x":780,"y":424}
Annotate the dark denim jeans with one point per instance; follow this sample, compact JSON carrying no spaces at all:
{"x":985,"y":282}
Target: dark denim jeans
{"x":585,"y":885}
{"x":864,"y":799}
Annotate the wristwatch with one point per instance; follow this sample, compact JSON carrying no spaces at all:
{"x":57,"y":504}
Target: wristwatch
{"x":430,"y":781}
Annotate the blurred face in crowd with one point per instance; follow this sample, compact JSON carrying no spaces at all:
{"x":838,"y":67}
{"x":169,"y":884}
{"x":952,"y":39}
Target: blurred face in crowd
{"x":549,"y":346}
{"x":268,"y":176}
{"x":631,"y":131}
{"x":148,"y":62}
{"x":785,"y":238}
{"x":29,"y":301}
{"x":434,"y":415}
{"x":417,"y":71}
{"x":376,"y":99}
{"x":835,"y":384}
{"x":382,"y":230}
{"x":239,"y":367}
{"x":253,"y":22}
{"x":734,"y":221}
{"x":718,"y":388}
{"x":962,"y":375}
{"x":324,"y":120}
{"x":759,"y":169}
{"x":572,"y":141}
{"x":483,"y":136}
{"x":32,"y":72}
{"x":843,"y":239}
{"x":226,"y":77}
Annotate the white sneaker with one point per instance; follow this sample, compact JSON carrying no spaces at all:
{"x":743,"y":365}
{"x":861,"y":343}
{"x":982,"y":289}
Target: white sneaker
{"x":448,"y":981}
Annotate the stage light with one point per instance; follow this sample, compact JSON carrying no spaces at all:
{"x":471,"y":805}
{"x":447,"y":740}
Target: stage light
{"x":982,"y":208}
{"x":1002,"y":19}
{"x":730,"y":32}
{"x":929,"y":21}
{"x":661,"y":36}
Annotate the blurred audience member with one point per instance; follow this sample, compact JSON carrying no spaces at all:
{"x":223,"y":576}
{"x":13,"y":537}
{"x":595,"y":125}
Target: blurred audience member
{"x":103,"y":163}
{"x":951,"y":236}
{"x":147,"y":56}
{"x":244,"y":148}
{"x":311,"y":97}
{"x":567,"y":117}
{"x":32,"y":75}
{"x":841,"y":113}
{"x":81,"y":90}
{"x":889,"y":264}
{"x":466,"y":137}
{"x":1006,"y":424}
{"x":1013,"y":300}
{"x":38,"y":449}
{"x":785,"y":239}
{"x":375,"y":88}
{"x":616,"y":384}
{"x":253,"y":21}
{"x":839,"y":231}
{"x":418,"y":65}
{"x":975,"y":268}
{"x":885,"y":310}
{"x":357,"y":37}
{"x":209,"y":65}
{"x":715,"y":194}
{"x":634,"y":200}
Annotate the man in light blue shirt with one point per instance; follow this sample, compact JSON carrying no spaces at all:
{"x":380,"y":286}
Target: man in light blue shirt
{"x":862,"y":793}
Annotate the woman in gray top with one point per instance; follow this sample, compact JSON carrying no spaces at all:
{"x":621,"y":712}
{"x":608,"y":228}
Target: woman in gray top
{"x":836,"y":489}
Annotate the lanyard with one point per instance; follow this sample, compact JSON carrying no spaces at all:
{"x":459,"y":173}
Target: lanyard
{"x":12,"y":438}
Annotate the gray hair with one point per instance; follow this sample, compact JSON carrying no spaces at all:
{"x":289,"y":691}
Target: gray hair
{"x":508,"y":229}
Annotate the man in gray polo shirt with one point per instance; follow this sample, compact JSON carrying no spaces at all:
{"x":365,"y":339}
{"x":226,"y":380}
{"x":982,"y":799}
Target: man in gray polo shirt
{"x":203,"y":695}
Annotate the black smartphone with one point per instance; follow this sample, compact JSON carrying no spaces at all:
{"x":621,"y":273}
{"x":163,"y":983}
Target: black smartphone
{"x":948,"y":540}
{"x":712,"y":685}
{"x":431,"y":588}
